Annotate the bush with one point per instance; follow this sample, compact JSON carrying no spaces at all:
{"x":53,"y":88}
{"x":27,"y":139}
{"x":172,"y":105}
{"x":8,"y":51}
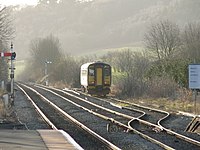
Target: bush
{"x":162,"y":87}
{"x":131,"y":87}
{"x":184,"y":94}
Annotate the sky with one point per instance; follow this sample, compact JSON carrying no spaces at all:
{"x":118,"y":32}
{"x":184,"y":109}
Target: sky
{"x":24,"y":2}
{"x":18,"y":2}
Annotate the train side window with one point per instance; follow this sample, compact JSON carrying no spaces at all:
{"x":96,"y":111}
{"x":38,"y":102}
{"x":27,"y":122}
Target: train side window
{"x":91,"y":72}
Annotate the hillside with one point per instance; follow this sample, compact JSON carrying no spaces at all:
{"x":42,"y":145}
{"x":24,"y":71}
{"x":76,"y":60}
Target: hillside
{"x":98,"y":24}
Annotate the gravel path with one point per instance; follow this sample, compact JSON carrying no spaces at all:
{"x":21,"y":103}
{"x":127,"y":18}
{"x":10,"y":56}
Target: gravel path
{"x":25,"y":112}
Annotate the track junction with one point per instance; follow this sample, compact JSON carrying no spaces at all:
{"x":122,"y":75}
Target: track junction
{"x":104,"y":124}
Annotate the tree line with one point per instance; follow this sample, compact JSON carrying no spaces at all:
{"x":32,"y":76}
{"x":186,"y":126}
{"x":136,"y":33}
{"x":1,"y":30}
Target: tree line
{"x":157,"y":71}
{"x":6,"y":35}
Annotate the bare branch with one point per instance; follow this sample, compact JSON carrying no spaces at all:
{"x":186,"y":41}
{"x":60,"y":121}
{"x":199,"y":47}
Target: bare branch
{"x":6,"y":28}
{"x":163,"y":39}
{"x":191,"y":41}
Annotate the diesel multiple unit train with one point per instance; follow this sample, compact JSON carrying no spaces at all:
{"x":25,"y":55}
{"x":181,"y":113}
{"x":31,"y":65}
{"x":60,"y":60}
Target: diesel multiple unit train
{"x":95,"y":78}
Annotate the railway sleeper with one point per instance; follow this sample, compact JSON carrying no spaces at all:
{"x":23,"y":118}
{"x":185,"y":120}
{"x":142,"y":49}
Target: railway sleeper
{"x":194,"y":125}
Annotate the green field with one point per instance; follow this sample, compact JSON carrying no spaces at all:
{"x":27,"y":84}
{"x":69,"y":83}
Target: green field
{"x":102,"y":52}
{"x":19,"y":68}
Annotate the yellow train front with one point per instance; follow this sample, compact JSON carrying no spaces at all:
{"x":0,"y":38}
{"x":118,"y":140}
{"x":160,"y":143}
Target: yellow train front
{"x":95,"y":78}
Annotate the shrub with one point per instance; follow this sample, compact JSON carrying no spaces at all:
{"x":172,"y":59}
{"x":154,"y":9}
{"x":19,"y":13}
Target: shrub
{"x":162,"y":87}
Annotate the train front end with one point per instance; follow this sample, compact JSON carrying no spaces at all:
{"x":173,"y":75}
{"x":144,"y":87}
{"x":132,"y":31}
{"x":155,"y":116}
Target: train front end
{"x":98,"y":79}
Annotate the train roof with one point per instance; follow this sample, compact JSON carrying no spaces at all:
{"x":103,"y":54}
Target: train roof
{"x":86,"y":65}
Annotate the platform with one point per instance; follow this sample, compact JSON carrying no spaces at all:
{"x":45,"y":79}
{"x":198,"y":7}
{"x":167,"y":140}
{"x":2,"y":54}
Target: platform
{"x":37,"y":140}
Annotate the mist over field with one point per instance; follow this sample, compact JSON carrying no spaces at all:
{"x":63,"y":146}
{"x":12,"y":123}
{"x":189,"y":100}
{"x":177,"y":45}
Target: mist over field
{"x":85,"y":27}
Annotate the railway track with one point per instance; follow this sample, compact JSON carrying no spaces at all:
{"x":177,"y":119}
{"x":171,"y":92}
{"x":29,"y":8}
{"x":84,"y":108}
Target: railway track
{"x":156,"y":114}
{"x":107,"y":114}
{"x":58,"y":119}
{"x":123,"y":138}
{"x":174,"y":139}
{"x":126,"y":121}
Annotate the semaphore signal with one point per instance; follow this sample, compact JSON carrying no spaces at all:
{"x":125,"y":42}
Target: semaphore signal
{"x":7,"y":54}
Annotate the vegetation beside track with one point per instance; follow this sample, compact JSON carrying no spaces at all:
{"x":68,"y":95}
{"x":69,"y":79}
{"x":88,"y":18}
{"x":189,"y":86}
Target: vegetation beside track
{"x":2,"y":108}
{"x":168,"y":105}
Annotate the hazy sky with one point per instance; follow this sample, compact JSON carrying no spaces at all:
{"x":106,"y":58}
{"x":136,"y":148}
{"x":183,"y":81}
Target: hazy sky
{"x":23,"y":2}
{"x":18,"y":2}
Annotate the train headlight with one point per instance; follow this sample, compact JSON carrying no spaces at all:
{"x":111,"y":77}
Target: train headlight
{"x":106,"y":82}
{"x":91,"y":82}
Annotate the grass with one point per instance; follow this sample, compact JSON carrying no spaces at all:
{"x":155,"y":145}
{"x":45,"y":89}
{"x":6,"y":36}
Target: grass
{"x":2,"y":109}
{"x":19,"y":65}
{"x":104,"y":51}
{"x":169,"y":105}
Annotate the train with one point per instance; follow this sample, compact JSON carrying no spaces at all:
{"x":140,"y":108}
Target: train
{"x":95,"y":78}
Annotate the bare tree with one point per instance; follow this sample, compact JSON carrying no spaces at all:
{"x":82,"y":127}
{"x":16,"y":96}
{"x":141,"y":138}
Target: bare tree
{"x":163,"y":39}
{"x":42,"y":50}
{"x":112,"y":58}
{"x":45,"y":49}
{"x":125,"y":61}
{"x":191,"y":41}
{"x":63,"y":69}
{"x":6,"y":34}
{"x":133,"y":66}
{"x":6,"y":28}
{"x":67,"y":71}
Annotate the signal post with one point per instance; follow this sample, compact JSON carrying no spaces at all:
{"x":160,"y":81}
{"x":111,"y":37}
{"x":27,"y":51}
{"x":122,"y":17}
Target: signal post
{"x":12,"y":55}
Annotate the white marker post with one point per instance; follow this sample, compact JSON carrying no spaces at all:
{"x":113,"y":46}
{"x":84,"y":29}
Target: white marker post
{"x":46,"y":73}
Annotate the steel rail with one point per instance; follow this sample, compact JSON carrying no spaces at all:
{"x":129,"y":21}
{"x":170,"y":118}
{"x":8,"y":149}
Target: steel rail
{"x":133,"y":118}
{"x":190,"y":140}
{"x":109,"y":144}
{"x":137,"y":118}
{"x":115,"y":105}
{"x":144,"y":107}
{"x":48,"y":121}
{"x":37,"y":108}
{"x":129,"y":128}
{"x":106,"y":109}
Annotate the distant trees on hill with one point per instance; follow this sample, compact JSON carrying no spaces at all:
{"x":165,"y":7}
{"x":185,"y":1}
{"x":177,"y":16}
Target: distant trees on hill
{"x":163,"y":39}
{"x":191,"y":42}
{"x":158,"y":71}
{"x":91,"y":26}
{"x":47,"y":52}
{"x":162,"y":69}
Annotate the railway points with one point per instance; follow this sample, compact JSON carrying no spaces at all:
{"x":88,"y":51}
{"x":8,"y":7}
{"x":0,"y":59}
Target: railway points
{"x":97,"y":108}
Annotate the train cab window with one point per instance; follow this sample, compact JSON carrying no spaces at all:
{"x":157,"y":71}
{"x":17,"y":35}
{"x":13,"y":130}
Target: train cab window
{"x":107,"y":71}
{"x":91,"y":71}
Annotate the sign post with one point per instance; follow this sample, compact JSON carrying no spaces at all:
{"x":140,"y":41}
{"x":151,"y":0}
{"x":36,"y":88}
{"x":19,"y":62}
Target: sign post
{"x":194,"y":80}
